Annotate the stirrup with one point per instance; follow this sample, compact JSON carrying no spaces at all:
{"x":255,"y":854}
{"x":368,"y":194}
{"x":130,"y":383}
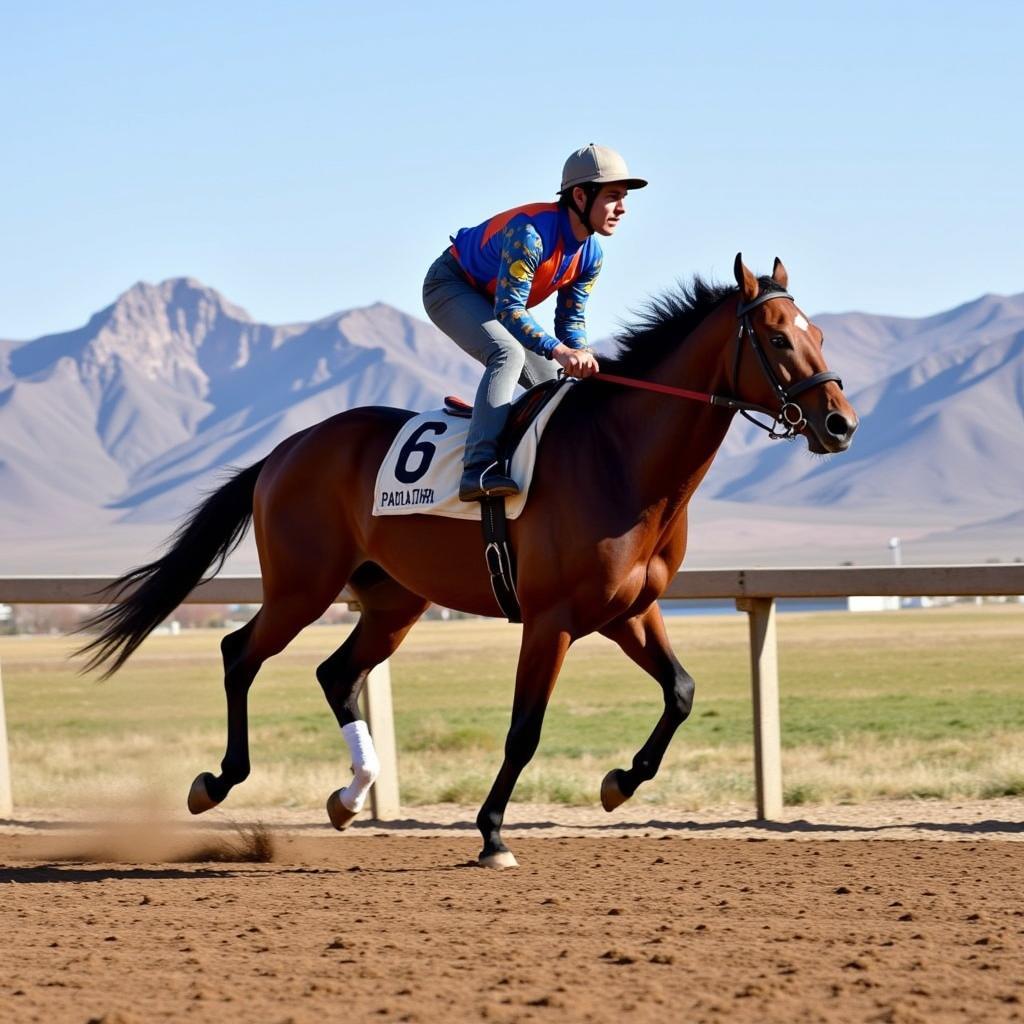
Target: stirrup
{"x":486,"y":481}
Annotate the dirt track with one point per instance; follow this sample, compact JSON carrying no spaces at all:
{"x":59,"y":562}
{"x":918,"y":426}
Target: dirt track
{"x":396,"y":926}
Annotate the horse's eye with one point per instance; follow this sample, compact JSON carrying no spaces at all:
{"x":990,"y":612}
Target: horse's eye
{"x":780,"y":341}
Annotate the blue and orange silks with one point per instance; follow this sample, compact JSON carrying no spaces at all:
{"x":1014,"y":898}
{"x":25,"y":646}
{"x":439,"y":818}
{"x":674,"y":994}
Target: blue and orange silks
{"x":519,"y":258}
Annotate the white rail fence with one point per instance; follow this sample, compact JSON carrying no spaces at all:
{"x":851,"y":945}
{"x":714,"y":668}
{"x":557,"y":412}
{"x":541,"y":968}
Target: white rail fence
{"x":754,"y":591}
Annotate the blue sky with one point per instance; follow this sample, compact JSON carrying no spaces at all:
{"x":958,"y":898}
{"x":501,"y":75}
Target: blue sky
{"x":310,"y":157}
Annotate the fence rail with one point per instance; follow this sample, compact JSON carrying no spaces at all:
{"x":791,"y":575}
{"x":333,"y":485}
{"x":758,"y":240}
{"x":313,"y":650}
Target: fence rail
{"x":754,"y":591}
{"x":688,"y":585}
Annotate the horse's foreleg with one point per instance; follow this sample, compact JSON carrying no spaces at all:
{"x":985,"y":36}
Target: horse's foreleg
{"x":389,"y":612}
{"x":643,"y":639}
{"x":540,"y":659}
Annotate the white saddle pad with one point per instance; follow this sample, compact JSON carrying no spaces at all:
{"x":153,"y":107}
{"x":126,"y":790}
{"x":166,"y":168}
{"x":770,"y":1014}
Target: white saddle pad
{"x":422,"y":469}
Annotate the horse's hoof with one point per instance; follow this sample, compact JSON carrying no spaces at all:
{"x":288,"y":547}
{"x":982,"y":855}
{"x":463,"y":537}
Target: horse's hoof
{"x":199,"y":798}
{"x":341,"y":817}
{"x":611,"y":793}
{"x":501,"y":859}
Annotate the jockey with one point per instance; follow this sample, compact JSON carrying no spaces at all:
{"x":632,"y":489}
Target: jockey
{"x":479,"y":292}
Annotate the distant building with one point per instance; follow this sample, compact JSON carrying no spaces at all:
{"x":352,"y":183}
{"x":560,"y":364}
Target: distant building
{"x":859,"y":603}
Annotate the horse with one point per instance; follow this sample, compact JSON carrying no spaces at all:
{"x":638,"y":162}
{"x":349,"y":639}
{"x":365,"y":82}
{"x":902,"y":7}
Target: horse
{"x":603,"y":532}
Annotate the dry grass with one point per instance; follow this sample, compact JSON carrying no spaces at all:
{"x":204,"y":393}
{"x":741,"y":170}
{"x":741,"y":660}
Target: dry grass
{"x":692,"y":778}
{"x":923,"y":704}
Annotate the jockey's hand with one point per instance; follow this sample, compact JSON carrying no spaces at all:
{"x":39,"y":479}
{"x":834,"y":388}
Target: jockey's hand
{"x":577,"y":362}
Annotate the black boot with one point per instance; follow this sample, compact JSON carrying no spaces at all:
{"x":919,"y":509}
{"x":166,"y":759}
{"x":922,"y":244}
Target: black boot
{"x":486,"y":480}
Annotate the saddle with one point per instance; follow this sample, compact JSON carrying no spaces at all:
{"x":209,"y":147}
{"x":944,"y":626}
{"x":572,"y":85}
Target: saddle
{"x":498,"y":553}
{"x":525,"y":409}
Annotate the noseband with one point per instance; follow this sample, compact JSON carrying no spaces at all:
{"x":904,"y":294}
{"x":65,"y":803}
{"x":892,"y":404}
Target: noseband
{"x":790,"y":417}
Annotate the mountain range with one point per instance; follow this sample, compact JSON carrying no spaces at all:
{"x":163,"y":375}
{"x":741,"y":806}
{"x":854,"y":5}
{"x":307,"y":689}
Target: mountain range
{"x":110,"y":432}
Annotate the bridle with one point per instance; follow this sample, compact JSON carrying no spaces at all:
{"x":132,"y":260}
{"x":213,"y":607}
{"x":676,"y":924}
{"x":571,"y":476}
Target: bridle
{"x":787,"y":421}
{"x":790,"y":416}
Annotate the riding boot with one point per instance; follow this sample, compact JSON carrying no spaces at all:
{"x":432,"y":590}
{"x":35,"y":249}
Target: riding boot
{"x":485,"y":479}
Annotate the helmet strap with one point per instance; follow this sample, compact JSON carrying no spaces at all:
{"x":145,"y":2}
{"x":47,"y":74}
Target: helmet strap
{"x":591,"y":188}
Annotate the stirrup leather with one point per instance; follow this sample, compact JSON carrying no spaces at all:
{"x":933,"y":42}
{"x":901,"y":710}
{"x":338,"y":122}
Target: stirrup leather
{"x":501,"y":562}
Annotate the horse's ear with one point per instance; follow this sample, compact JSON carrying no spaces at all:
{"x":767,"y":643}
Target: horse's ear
{"x":745,"y":279}
{"x":779,"y":274}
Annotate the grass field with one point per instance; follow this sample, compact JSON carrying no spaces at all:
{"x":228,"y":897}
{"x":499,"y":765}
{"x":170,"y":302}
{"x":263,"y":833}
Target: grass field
{"x":916,"y":703}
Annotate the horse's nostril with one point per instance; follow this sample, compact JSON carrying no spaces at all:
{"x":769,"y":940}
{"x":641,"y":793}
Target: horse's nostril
{"x":836,"y":425}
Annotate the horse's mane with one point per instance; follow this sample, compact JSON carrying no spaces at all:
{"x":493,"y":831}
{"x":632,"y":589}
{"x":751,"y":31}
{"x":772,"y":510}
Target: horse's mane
{"x":666,"y":321}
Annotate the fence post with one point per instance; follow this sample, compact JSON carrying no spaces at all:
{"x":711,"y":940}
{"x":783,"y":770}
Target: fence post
{"x":380,"y":718}
{"x":6,"y":800}
{"x":764,"y":679}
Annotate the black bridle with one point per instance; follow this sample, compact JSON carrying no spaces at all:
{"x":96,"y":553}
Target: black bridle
{"x":789,"y":418}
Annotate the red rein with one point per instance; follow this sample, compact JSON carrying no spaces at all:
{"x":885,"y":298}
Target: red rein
{"x":645,"y":385}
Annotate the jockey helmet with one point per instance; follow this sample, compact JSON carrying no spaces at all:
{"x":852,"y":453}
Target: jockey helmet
{"x":597,"y":165}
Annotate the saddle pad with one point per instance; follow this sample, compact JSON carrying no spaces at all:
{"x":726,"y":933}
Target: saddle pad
{"x":421,"y":471}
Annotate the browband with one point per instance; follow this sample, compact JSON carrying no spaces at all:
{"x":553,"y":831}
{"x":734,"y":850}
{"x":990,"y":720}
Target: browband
{"x":744,"y":308}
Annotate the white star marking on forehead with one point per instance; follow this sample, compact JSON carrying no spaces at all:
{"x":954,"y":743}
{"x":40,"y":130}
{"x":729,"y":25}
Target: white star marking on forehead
{"x":801,"y":322}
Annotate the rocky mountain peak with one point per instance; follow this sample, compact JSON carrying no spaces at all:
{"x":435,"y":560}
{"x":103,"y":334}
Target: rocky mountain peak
{"x":159,"y":329}
{"x":176,"y":296}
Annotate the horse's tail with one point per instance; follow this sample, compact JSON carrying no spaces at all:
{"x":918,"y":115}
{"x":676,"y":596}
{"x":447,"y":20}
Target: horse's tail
{"x":151,"y":592}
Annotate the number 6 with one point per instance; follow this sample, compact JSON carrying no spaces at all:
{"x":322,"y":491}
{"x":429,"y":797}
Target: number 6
{"x":425,"y":449}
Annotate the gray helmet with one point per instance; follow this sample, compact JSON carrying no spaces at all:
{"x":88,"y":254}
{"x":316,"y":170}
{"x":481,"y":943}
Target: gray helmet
{"x":597,"y":165}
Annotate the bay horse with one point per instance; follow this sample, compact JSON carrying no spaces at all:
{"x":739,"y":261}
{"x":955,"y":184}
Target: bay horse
{"x":602,"y":535}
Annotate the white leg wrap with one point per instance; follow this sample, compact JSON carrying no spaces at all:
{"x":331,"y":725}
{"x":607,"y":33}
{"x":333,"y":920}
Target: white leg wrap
{"x":365,"y":764}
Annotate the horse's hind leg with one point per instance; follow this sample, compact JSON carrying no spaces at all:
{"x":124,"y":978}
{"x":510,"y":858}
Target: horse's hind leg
{"x":208,"y":790}
{"x":273,"y":627}
{"x":389,"y":611}
{"x":643,"y":639}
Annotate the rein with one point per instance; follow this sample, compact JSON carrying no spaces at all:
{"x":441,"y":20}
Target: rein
{"x":786,"y":422}
{"x":665,"y":389}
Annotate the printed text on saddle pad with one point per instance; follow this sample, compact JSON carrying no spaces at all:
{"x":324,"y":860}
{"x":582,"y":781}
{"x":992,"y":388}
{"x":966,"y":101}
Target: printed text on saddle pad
{"x":421,"y":470}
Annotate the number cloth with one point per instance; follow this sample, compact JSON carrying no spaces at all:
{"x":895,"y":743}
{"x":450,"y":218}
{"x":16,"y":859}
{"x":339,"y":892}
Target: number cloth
{"x":421,"y":470}
{"x":522,"y":256}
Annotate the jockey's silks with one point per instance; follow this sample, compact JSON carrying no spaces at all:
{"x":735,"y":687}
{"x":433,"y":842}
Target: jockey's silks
{"x":562,"y":257}
{"x":519,"y":258}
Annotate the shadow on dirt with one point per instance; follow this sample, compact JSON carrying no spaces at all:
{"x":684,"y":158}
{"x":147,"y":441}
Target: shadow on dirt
{"x":990,"y":827}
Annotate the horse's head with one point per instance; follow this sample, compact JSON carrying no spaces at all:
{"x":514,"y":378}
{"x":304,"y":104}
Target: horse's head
{"x":787,"y":373}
